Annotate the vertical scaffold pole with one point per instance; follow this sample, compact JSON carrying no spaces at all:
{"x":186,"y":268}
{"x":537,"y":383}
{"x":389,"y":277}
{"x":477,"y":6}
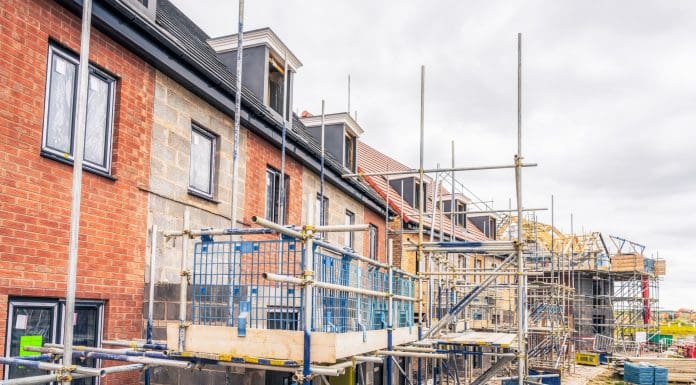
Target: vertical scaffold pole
{"x":76,"y":190}
{"x":287,"y":113}
{"x":308,"y":273}
{"x":421,"y":202}
{"x":183,"y":285}
{"x":521,"y":278}
{"x":452,"y":206}
{"x":390,"y":308}
{"x":151,"y":293}
{"x":237,"y":113}
{"x":321,"y":171}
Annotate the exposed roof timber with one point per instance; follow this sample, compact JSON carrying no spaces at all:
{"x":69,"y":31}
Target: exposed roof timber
{"x":257,"y":37}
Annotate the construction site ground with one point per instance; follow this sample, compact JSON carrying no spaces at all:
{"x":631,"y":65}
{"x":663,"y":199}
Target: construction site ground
{"x":593,"y":375}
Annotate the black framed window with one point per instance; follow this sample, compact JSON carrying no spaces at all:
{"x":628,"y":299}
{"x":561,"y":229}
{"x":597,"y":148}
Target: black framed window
{"x":350,"y":236}
{"x":373,"y":234}
{"x":321,"y":210}
{"x":273,"y":194}
{"x":35,"y":322}
{"x":202,"y":162}
{"x":59,"y":111}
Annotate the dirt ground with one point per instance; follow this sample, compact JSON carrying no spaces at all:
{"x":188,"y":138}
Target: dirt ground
{"x":591,"y":375}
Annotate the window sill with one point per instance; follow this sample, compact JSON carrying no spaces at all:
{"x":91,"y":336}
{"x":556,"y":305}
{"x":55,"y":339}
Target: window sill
{"x":85,"y":167}
{"x":203,"y":196}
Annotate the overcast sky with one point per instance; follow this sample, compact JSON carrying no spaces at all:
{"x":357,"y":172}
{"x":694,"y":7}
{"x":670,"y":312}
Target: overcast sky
{"x":609,"y":100}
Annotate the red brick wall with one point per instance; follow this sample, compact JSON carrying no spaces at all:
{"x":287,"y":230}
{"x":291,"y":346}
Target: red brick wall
{"x":375,"y":219}
{"x":35,"y":191}
{"x":260,"y":154}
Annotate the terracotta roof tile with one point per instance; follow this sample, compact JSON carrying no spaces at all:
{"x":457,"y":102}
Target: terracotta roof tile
{"x":371,"y":160}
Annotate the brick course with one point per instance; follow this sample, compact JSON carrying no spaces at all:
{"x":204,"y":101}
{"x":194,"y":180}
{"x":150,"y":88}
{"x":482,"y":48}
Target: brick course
{"x":35,"y":191}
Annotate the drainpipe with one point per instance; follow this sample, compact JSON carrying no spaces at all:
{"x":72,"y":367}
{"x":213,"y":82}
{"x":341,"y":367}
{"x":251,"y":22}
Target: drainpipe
{"x":76,"y":191}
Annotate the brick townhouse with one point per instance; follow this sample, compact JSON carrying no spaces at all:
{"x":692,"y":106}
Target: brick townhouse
{"x":158,"y":142}
{"x":38,"y":76}
{"x":191,"y":163}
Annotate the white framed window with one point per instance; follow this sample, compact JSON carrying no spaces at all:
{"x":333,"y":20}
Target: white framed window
{"x":202,"y":162}
{"x":59,"y":111}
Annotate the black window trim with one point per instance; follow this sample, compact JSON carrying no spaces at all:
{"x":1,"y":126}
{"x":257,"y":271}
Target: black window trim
{"x":46,"y":151}
{"x":58,"y":307}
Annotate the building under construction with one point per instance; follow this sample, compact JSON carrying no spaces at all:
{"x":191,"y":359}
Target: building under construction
{"x":211,"y":235}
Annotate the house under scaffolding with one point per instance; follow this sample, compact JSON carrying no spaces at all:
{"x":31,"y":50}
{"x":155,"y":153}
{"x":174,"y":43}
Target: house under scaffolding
{"x":603,"y":291}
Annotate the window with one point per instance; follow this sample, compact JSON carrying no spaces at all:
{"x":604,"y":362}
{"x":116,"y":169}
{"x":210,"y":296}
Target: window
{"x":373,"y":241}
{"x":276,"y":76}
{"x":37,"y":322}
{"x":416,"y":194}
{"x":349,"y":153}
{"x":282,"y":319}
{"x":59,"y":111}
{"x":461,"y":215}
{"x":273,"y":195}
{"x":350,"y":236}
{"x":477,"y":357}
{"x":477,"y":267}
{"x":202,"y":167}
{"x":321,"y":211}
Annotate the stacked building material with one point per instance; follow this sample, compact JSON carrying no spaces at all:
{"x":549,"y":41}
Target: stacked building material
{"x":679,"y":369}
{"x":639,"y":374}
{"x":661,"y":377}
{"x":660,"y":267}
{"x":627,"y":262}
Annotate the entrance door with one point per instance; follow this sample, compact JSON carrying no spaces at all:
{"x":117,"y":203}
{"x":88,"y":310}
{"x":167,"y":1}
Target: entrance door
{"x":30,"y":324}
{"x":86,"y":326}
{"x":35,"y":322}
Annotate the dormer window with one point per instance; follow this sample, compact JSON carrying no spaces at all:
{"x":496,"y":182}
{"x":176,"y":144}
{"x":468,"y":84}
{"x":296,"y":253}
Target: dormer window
{"x":411,"y":190}
{"x":341,"y":133}
{"x":349,"y":152}
{"x":276,"y":76}
{"x":460,"y":214}
{"x":456,"y":212}
{"x":269,"y":67}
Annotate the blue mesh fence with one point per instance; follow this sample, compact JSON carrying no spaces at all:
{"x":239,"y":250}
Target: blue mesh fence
{"x":228,"y":283}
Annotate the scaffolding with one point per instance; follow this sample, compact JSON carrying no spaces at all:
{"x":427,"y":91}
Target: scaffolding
{"x":516,"y":309}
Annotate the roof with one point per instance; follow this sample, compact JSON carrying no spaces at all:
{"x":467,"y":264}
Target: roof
{"x":189,"y":38}
{"x":371,"y":160}
{"x":335,"y":118}
{"x":256,"y":37}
